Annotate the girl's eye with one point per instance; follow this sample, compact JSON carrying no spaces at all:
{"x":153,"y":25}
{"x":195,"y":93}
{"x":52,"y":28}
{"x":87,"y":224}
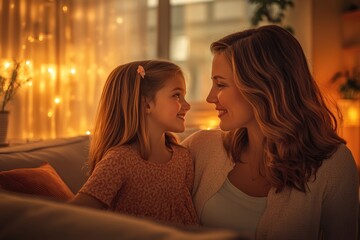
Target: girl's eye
{"x":177,"y":95}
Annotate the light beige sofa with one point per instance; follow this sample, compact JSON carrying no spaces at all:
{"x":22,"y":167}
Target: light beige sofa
{"x":24,"y":216}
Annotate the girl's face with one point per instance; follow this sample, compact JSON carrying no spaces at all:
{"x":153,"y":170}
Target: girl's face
{"x":234,"y":111}
{"x":168,"y":109}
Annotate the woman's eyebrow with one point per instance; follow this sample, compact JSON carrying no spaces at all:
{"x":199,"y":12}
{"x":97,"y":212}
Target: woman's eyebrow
{"x":216,"y":77}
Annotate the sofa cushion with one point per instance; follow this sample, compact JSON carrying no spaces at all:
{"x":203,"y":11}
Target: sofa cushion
{"x":24,"y":217}
{"x":42,"y":180}
{"x":66,"y":155}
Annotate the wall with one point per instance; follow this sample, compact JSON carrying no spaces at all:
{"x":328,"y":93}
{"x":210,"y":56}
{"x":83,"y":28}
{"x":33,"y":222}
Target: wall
{"x":328,"y":57}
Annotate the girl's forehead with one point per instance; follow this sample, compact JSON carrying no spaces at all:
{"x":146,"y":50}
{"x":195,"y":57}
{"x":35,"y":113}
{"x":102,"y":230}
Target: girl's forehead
{"x":176,"y":81}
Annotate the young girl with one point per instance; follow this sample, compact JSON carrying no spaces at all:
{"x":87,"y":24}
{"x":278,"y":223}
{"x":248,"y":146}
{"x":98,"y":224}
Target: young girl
{"x":136,"y":165}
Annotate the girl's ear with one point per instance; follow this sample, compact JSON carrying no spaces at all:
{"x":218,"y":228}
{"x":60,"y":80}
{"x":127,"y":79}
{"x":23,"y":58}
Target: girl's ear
{"x":146,"y":105}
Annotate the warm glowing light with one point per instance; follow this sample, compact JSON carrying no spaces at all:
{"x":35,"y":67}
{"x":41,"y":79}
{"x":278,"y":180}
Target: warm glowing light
{"x":65,"y":8}
{"x":6,"y":65}
{"x":353,"y":114}
{"x":73,"y":71}
{"x":210,"y":123}
{"x":119,"y":20}
{"x":29,"y":83}
{"x":50,"y":114}
{"x":41,"y":37}
{"x":31,"y":39}
{"x":27,"y":62}
{"x":57,"y":100}
{"x":12,"y":6}
{"x":78,"y":15}
{"x":88,"y":132}
{"x":50,"y":70}
{"x":90,"y":16}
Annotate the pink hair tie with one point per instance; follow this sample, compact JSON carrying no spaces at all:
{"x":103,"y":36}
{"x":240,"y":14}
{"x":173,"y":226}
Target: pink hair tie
{"x":141,"y":71}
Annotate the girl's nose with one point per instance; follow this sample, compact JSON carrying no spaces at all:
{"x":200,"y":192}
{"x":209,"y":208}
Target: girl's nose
{"x":186,"y":105}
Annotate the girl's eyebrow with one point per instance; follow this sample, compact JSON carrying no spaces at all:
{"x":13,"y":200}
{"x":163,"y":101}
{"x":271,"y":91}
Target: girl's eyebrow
{"x":178,"y":89}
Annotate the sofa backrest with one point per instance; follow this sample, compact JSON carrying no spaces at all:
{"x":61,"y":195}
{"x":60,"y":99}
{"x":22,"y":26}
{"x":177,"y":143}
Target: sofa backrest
{"x":66,"y":155}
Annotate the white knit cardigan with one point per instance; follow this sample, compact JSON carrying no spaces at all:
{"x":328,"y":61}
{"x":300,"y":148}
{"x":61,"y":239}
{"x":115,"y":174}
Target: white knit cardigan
{"x":329,"y":210}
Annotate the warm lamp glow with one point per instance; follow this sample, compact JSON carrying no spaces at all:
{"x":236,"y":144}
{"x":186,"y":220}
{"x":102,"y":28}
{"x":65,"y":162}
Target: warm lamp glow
{"x":50,"y":114}
{"x":351,"y":112}
{"x":57,"y":100}
{"x":31,"y":39}
{"x":210,"y":123}
{"x":73,"y":71}
{"x":88,"y":132}
{"x":119,"y":20}
{"x":51,"y":70}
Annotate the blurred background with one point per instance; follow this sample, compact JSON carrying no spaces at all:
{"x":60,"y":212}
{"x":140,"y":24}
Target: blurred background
{"x":66,"y":49}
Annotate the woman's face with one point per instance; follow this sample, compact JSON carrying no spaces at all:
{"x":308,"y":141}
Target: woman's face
{"x":233,"y":110}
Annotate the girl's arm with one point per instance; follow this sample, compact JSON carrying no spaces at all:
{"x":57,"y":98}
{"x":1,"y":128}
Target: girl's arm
{"x":87,"y":201}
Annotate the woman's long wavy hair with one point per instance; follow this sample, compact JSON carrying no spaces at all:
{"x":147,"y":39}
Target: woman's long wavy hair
{"x":300,"y":131}
{"x":121,"y":111}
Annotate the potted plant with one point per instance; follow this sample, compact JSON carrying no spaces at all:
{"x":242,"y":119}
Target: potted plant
{"x":349,"y":87}
{"x":271,"y":11}
{"x":12,"y":76}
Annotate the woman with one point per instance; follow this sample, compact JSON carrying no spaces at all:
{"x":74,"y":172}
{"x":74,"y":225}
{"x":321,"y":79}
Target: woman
{"x":278,"y":170}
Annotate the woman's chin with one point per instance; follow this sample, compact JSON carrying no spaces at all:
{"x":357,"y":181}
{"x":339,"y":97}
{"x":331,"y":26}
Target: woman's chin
{"x":226,"y":127}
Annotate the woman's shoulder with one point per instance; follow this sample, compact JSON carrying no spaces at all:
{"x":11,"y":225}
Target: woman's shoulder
{"x":203,"y":137}
{"x":342,"y":156}
{"x":340,"y":164}
{"x":205,"y":145}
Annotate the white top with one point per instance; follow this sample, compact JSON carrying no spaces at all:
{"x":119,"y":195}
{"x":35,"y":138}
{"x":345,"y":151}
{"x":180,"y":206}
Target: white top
{"x":231,"y":208}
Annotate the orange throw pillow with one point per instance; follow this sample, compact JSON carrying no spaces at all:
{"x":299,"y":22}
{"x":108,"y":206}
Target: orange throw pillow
{"x":42,"y":180}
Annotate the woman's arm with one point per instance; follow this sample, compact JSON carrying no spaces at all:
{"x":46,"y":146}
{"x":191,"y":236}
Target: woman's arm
{"x":341,"y":201}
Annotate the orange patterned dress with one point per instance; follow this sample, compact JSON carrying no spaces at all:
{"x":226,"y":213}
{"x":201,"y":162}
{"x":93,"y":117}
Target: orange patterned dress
{"x":128,"y":184}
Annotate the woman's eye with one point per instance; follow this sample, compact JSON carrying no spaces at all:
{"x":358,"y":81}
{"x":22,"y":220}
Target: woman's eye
{"x":219,"y":85}
{"x":177,"y":95}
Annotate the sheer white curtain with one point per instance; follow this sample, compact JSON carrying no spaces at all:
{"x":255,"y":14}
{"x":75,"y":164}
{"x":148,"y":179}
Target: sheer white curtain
{"x":72,"y":45}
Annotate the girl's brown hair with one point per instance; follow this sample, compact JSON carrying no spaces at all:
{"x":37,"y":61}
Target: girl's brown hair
{"x":121,"y":115}
{"x":272,"y":73}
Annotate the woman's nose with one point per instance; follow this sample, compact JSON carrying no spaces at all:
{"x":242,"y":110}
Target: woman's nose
{"x":211,"y":98}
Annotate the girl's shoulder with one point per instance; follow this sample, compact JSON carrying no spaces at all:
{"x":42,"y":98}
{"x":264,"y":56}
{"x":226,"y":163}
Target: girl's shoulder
{"x":120,"y":149}
{"x":121,"y":152}
{"x":181,"y":150}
